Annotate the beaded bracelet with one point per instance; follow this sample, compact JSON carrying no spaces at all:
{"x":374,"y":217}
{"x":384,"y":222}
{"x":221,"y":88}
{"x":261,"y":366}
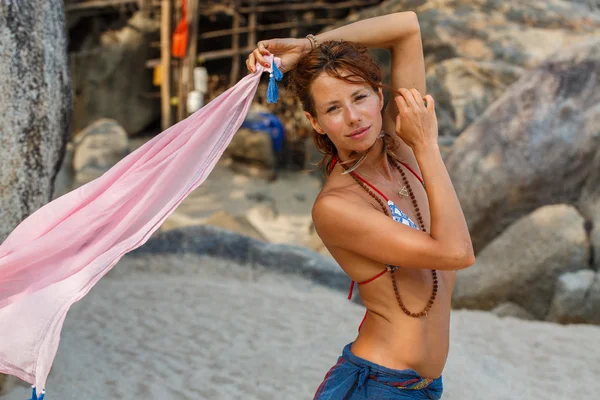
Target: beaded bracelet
{"x":313,"y":41}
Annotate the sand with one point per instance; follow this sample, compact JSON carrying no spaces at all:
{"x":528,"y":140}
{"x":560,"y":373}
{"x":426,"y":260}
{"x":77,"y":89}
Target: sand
{"x":280,"y":210}
{"x":234,"y":332}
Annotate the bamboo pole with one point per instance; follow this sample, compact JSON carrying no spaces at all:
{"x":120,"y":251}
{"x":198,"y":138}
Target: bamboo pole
{"x":252,"y":27}
{"x":235,"y":64}
{"x":180,"y":75}
{"x":308,"y":6}
{"x":193,"y":44}
{"x":294,"y":30}
{"x":165,"y":58}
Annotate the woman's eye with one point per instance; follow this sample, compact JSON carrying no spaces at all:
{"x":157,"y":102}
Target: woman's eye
{"x":331,"y":108}
{"x":360,"y":97}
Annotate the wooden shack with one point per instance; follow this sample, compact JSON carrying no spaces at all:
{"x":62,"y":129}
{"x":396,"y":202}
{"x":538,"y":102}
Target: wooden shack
{"x":219,"y":34}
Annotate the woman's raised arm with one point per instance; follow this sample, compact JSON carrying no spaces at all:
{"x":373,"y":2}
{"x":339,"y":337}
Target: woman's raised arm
{"x":397,"y":32}
{"x":401,"y":34}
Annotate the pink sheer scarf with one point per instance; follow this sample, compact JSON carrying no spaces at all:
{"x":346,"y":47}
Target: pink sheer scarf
{"x":57,"y":254}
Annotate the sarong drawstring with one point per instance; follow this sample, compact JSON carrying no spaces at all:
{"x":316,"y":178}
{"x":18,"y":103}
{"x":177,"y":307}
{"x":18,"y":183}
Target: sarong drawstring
{"x":363,"y":376}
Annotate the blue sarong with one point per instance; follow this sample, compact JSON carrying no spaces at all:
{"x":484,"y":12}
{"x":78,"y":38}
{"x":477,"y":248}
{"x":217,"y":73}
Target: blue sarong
{"x":354,"y":378}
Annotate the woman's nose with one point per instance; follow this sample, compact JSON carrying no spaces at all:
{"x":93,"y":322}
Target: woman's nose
{"x":352,"y":115}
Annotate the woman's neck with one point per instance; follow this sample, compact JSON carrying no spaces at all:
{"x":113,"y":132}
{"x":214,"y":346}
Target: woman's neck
{"x":376,"y":161}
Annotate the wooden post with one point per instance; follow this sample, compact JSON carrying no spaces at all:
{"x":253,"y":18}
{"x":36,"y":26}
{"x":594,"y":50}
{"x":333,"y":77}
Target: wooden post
{"x":235,"y":64}
{"x":252,"y":27}
{"x":165,"y":61}
{"x":294,"y":31}
{"x":181,"y":76}
{"x":193,"y":46}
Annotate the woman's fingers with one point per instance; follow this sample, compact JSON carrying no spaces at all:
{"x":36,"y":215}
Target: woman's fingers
{"x":259,"y":58}
{"x":408,"y":96}
{"x":262,"y":47}
{"x":251,"y":62}
{"x":430,"y":103}
{"x":260,"y":51}
{"x":413,"y":97}
{"x":401,"y":103}
{"x":418,"y":97}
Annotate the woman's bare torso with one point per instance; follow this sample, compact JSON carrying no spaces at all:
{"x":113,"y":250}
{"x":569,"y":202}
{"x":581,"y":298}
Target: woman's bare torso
{"x":388,"y":336}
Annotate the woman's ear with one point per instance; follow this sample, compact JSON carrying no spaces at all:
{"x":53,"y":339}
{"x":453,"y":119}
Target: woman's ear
{"x":314,"y":123}
{"x":381,"y":99}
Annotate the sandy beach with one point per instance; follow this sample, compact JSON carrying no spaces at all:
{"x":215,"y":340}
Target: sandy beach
{"x":279,"y":210}
{"x":211,"y":329}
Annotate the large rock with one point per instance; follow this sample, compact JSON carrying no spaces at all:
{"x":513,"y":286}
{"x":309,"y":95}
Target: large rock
{"x":63,"y":183}
{"x":532,"y":147}
{"x":523,"y":263}
{"x":591,"y":307}
{"x":502,"y":35}
{"x":593,"y":5}
{"x":463,"y":89}
{"x":513,"y":310}
{"x":577,"y":298}
{"x":517,"y":32}
{"x":97,"y":149}
{"x":111,"y":79}
{"x":36,"y":106}
{"x":211,"y":241}
{"x":589,"y":205}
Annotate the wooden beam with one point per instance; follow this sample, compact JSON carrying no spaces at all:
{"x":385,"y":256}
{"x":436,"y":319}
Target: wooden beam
{"x":165,"y":60}
{"x":269,"y":27}
{"x":252,"y":27}
{"x":193,"y":45}
{"x":235,"y":46}
{"x":308,"y":6}
{"x":216,"y":54}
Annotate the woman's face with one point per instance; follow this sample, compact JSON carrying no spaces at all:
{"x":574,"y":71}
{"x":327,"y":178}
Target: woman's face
{"x":349,"y":113}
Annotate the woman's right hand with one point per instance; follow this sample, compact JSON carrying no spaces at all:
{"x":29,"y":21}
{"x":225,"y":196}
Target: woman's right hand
{"x":416,"y":123}
{"x":289,"y":50}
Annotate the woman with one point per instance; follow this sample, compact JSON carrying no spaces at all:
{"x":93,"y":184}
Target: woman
{"x":381,"y":163}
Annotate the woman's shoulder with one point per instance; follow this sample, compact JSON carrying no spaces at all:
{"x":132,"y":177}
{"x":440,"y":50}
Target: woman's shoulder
{"x":340,"y":191}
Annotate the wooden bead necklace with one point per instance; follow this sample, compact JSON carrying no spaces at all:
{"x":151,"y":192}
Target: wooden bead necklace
{"x":393,"y":268}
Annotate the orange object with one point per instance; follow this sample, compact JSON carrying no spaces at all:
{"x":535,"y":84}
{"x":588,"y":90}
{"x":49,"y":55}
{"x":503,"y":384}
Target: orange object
{"x":181,"y":34}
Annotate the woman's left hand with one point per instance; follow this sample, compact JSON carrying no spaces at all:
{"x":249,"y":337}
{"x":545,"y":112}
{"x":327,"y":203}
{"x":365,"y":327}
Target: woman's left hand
{"x":289,"y":50}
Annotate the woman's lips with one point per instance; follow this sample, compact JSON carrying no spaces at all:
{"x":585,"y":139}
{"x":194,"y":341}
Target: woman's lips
{"x":359,"y":133}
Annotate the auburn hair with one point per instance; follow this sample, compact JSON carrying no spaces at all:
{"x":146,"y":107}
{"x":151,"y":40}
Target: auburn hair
{"x":334,"y":58}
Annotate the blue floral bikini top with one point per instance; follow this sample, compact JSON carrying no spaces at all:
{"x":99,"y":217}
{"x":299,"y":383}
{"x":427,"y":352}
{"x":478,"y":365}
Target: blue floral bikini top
{"x":399,"y":216}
